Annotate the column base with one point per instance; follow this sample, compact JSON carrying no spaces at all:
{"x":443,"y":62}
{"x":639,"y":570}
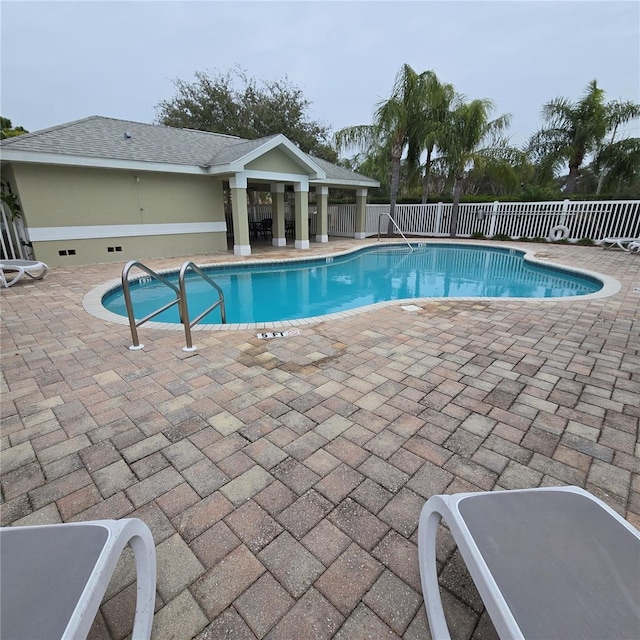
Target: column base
{"x":278,"y":242}
{"x":321,"y":238}
{"x":241,"y":249}
{"x":302,"y":244}
{"x":360,"y":235}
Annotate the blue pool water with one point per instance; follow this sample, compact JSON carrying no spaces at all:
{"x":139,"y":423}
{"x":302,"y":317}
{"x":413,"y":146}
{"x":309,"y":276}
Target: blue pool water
{"x":294,"y":290}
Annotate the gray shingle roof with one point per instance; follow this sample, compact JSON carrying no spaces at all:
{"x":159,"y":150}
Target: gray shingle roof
{"x":111,"y":139}
{"x":98,"y":137}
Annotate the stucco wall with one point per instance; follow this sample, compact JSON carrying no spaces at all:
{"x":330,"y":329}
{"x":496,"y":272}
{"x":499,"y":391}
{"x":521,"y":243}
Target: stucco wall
{"x":276,"y":161}
{"x":58,"y":197}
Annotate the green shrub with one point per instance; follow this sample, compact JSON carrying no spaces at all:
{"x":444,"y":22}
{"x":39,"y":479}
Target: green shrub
{"x":501,"y":236}
{"x":538,"y":239}
{"x":586,"y":242}
{"x":561,"y":241}
{"x":478,"y":235}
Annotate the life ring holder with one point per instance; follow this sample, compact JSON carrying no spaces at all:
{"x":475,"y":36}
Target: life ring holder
{"x":559,"y":232}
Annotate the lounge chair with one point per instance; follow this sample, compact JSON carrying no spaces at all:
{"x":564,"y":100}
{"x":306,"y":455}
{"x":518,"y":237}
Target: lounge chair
{"x":54,"y":577}
{"x":548,"y":563}
{"x":32,"y":268}
{"x":621,"y":243}
{"x":634,"y":247}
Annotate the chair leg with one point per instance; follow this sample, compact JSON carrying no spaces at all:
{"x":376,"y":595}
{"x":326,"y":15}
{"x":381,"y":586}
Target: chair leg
{"x":144,"y":553}
{"x":427,"y":532}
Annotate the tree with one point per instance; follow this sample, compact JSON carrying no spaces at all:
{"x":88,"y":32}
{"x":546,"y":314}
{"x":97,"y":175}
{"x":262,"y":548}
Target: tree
{"x":8,"y":130}
{"x":618,"y":162}
{"x":428,"y":124}
{"x":233,"y":103}
{"x":613,"y":156}
{"x":572,"y":131}
{"x":460,"y":141}
{"x":389,"y":134}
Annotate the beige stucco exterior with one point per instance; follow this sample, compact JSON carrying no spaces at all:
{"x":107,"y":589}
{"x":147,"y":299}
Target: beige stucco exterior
{"x":58,"y":196}
{"x":276,"y":161}
{"x":101,"y":189}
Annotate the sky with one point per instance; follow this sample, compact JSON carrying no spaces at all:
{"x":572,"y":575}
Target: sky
{"x":62,"y":61}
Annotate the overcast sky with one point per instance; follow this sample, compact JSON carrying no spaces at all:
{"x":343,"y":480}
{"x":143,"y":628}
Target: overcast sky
{"x":62,"y":61}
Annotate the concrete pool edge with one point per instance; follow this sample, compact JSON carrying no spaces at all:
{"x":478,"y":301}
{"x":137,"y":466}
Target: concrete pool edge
{"x":92,"y":301}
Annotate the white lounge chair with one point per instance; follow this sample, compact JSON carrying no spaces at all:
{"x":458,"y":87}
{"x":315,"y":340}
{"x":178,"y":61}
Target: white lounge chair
{"x":548,"y":563}
{"x":54,"y":577}
{"x":634,"y":247}
{"x":621,"y":243}
{"x":32,"y":268}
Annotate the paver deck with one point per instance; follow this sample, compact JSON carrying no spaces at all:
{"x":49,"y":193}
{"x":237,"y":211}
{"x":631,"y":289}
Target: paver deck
{"x":283,"y":479}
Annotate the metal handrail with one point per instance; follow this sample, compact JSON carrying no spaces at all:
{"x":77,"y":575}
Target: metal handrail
{"x":396,"y":226}
{"x":184,"y":307}
{"x":133,"y":324}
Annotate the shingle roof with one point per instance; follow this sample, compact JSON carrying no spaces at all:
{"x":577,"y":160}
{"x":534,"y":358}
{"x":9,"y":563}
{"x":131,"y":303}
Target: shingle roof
{"x":98,"y":137}
{"x":111,"y":139}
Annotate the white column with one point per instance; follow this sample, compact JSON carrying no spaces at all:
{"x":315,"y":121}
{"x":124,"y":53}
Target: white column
{"x":241,"y":243}
{"x":301,"y":190}
{"x":277,"y":213}
{"x":361,"y":214}
{"x":322,"y":224}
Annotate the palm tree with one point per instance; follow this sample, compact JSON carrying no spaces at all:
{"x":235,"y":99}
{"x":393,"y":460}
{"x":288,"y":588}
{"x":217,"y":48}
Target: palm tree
{"x":573,"y":130}
{"x":460,"y":143}
{"x":390,"y":131}
{"x":611,"y":153}
{"x":428,"y":123}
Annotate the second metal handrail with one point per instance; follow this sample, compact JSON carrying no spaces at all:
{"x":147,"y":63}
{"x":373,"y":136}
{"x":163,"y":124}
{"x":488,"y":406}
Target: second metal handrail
{"x":133,"y":324}
{"x":185,"y":305}
{"x":388,"y":215}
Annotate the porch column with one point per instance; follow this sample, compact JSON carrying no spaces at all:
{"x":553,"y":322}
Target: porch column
{"x":277,"y":213}
{"x":361,"y":214}
{"x":241,"y":243}
{"x":301,"y":190}
{"x":322,"y":223}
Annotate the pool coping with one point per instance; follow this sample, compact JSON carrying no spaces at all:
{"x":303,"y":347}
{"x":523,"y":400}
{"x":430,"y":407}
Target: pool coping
{"x":92,"y":301}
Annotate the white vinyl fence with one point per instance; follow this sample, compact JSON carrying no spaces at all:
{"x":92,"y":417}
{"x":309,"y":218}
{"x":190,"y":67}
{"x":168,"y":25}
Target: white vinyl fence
{"x":578,"y":219}
{"x":595,"y":220}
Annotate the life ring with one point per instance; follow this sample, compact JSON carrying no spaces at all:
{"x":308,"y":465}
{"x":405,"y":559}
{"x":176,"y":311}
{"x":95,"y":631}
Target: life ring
{"x":559,"y":232}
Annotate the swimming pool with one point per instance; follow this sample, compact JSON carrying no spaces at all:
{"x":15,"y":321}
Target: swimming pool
{"x":294,"y":290}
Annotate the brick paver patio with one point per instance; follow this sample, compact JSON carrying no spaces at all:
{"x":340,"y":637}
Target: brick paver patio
{"x":283,"y":479}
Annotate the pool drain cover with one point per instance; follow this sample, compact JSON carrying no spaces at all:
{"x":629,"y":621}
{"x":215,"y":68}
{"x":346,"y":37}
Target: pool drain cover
{"x":277,"y":334}
{"x":411,"y":307}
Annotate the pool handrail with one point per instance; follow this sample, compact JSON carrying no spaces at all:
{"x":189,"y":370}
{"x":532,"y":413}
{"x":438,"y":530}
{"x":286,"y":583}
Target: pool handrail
{"x":184,"y":306}
{"x":388,"y":215}
{"x":180,"y":300}
{"x":133,"y":324}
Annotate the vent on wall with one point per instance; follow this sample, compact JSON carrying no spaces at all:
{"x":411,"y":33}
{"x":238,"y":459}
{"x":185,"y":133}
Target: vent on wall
{"x":67,"y":252}
{"x":112,"y":249}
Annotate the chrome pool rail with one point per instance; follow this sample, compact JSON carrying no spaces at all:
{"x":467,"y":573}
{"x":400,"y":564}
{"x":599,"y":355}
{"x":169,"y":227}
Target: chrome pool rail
{"x":180,"y":299}
{"x":388,"y":215}
{"x":184,"y":314}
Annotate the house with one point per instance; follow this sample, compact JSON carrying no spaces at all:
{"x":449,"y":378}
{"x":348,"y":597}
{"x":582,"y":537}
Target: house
{"x":100,"y":189}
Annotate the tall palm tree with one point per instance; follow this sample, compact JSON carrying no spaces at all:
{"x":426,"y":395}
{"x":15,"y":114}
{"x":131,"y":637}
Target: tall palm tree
{"x":610,"y":153}
{"x":461,"y":143}
{"x":428,"y":123}
{"x":390,"y":130}
{"x":572,"y":131}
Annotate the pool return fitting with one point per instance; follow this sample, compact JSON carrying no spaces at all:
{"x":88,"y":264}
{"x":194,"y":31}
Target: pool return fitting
{"x":180,"y":299}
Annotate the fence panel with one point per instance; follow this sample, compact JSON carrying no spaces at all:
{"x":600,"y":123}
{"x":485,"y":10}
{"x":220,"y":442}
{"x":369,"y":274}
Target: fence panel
{"x":584,"y":219}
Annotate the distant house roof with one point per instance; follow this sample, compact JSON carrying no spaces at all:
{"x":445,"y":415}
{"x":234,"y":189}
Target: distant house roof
{"x":107,"y":142}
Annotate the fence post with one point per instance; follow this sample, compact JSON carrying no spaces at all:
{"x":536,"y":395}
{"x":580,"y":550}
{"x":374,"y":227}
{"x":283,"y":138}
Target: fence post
{"x":565,"y":211}
{"x":492,"y":224}
{"x":438,"y":219}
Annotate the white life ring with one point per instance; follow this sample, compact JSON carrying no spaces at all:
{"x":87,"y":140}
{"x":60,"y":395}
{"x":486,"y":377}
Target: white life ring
{"x":559,"y":232}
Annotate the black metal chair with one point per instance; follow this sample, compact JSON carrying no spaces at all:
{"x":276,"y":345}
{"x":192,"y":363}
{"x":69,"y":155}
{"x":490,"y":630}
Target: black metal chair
{"x":266,"y":228}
